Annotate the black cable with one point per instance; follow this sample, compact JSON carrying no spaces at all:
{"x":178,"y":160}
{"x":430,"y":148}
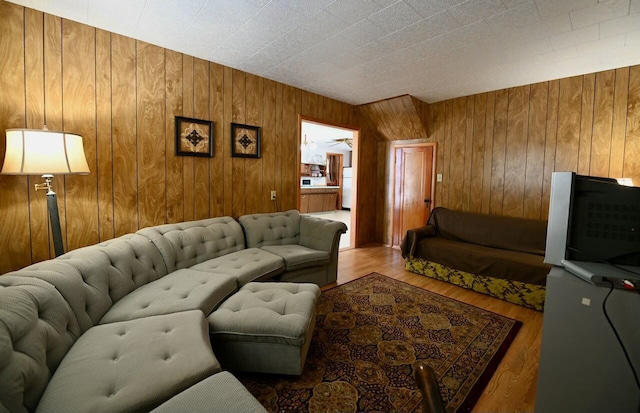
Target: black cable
{"x":624,"y":349}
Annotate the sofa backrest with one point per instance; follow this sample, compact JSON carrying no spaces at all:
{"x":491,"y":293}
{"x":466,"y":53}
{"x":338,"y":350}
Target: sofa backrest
{"x":279,"y":228}
{"x":92,"y":279}
{"x":186,"y":244}
{"x":508,"y":233}
{"x":37,"y":328}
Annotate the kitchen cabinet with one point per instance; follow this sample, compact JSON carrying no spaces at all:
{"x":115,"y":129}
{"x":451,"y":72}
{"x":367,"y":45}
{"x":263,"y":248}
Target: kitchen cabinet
{"x":318,"y":199}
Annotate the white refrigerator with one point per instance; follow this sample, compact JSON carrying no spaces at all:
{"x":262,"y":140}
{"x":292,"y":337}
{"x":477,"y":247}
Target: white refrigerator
{"x":347,"y":176}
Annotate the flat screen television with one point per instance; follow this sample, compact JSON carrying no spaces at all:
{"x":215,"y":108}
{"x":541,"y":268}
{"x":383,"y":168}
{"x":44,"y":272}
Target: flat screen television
{"x":593,"y":220}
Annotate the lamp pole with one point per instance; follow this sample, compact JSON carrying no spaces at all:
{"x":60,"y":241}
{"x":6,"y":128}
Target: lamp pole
{"x":54,"y":217}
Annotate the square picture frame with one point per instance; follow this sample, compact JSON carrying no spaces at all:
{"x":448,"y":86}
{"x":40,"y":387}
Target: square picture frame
{"x":194,"y":137}
{"x":245,"y":141}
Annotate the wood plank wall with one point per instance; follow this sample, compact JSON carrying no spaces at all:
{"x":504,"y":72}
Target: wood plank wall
{"x":122,"y":95}
{"x":497,"y":150}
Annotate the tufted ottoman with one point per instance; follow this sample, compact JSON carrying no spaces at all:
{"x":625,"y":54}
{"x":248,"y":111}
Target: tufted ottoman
{"x":265,"y":327}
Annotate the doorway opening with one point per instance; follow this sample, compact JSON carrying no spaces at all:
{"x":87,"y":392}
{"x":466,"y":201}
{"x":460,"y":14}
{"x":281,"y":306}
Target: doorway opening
{"x":328,"y":166}
{"x":413,"y":187}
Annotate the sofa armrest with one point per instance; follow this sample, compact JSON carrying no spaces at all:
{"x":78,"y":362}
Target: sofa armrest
{"x":413,"y":236}
{"x":320,"y":234}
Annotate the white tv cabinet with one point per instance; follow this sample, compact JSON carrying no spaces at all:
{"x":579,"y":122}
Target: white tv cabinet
{"x":582,"y":367}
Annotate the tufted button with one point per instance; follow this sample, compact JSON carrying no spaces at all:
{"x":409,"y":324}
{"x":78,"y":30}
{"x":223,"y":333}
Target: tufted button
{"x":167,"y":357}
{"x":168,"y":330}
{"x":122,"y":333}
{"x":167,"y":288}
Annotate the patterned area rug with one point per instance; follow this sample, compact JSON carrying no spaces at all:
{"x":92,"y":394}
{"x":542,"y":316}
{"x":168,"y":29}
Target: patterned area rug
{"x":369,"y":332}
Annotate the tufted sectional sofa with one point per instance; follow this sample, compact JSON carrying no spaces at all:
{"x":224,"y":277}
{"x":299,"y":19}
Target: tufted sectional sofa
{"x":121,"y":325}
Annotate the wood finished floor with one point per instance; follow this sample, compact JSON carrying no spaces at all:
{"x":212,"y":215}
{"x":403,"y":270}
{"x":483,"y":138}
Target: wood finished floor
{"x":513,"y":386}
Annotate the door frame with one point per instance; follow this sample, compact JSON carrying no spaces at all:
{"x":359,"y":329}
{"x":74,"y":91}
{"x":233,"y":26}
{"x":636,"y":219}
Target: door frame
{"x":355,"y":150}
{"x":394,"y":212}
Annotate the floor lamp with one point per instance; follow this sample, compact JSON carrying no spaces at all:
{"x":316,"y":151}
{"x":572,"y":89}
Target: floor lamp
{"x":44,"y":152}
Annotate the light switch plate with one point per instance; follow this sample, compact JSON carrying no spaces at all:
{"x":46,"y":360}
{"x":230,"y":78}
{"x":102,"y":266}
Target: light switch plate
{"x":439,"y":178}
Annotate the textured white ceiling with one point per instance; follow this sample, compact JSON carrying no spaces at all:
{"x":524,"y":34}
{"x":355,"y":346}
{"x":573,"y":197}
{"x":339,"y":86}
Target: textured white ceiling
{"x":359,"y":51}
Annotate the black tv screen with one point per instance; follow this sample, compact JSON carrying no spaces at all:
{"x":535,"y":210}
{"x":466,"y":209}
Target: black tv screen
{"x":604,"y":222}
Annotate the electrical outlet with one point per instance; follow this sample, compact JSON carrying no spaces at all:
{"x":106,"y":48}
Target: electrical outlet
{"x":273,"y":195}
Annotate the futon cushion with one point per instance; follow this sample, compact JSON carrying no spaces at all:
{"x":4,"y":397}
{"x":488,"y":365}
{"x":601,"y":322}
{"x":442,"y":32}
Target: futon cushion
{"x":481,"y":260}
{"x":297,"y":257}
{"x":131,"y":366}
{"x":247,"y":265}
{"x":219,"y":393}
{"x":181,"y":290}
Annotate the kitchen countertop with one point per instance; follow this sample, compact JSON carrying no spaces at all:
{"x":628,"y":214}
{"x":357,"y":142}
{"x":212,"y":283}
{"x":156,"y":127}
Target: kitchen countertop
{"x":318,"y":187}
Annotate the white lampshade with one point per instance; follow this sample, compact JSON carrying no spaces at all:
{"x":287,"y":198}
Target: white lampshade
{"x":39,"y":152}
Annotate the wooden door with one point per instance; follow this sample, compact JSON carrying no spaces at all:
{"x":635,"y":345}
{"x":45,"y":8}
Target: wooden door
{"x":413,"y":187}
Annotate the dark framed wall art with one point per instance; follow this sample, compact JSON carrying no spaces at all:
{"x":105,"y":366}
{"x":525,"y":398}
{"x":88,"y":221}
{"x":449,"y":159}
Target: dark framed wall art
{"x":245,"y":141}
{"x":194,"y":137}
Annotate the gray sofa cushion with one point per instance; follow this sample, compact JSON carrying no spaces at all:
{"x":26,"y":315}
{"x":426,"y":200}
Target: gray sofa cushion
{"x":131,"y":366}
{"x":297,"y":257}
{"x":181,"y":290}
{"x":266,"y":312}
{"x":246,"y":265}
{"x":219,"y":393}
{"x":37,"y":328}
{"x":278,"y":228}
{"x":92,"y":278}
{"x":189,"y":243}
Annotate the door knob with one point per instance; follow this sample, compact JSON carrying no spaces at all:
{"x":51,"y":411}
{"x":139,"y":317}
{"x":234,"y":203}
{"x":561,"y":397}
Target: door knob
{"x":427,"y":201}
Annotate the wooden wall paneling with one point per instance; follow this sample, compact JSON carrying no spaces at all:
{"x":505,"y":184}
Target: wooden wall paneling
{"x":269,"y":145}
{"x":238,"y":164}
{"x":174,"y":166}
{"x":516,"y":154}
{"x":54,"y":107}
{"x":216,"y":164}
{"x":79,"y":111}
{"x":446,"y":148}
{"x":436,"y":134}
{"x":150,"y":101}
{"x":278,"y":147}
{"x":414,"y":108}
{"x":309,"y":104}
{"x":34,"y":89}
{"x":468,"y":154}
{"x":569,"y":112}
{"x":123,"y":132}
{"x":188,"y":166}
{"x":200,"y":164}
{"x":586,"y":123}
{"x":226,"y":137}
{"x":366,"y":192}
{"x":477,"y":152}
{"x":619,"y":128}
{"x":14,"y":202}
{"x":104,"y":146}
{"x":632,"y":142}
{"x":488,"y":151}
{"x":403,"y":119}
{"x":255,"y":199}
{"x":534,"y":172}
{"x":458,"y":137}
{"x":550,"y":145}
{"x":499,"y":151}
{"x":290,"y":153}
{"x":602,"y":123}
